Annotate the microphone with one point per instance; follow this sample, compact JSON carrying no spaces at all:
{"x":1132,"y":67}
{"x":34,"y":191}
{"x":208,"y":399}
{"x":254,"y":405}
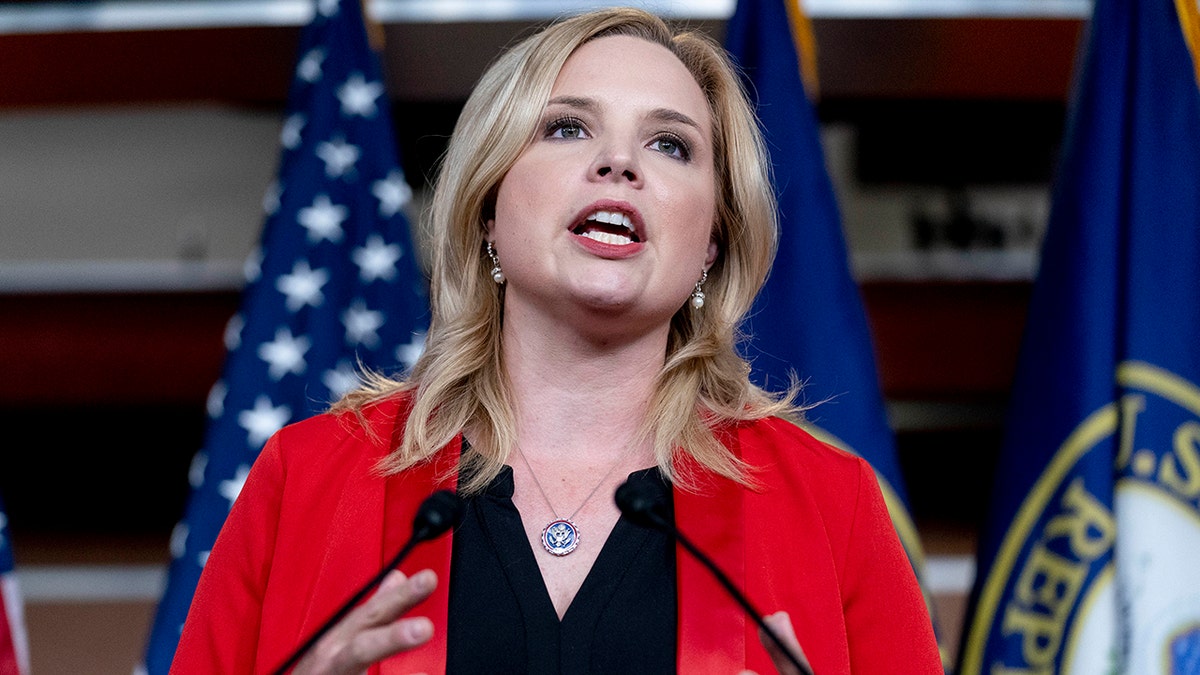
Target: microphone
{"x":645,"y":503}
{"x":439,"y":512}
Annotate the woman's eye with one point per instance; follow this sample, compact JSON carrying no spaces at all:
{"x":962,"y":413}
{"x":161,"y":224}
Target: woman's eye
{"x":566,"y":128}
{"x":672,"y":146}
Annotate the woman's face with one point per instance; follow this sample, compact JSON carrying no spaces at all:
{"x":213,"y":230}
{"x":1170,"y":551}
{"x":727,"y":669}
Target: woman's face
{"x":609,"y":213}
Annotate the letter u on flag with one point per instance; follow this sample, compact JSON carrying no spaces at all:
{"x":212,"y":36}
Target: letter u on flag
{"x":1091,"y":558}
{"x":334,"y":287}
{"x":809,"y":318}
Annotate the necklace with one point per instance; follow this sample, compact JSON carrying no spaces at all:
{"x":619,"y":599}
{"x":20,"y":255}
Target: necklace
{"x":561,"y":535}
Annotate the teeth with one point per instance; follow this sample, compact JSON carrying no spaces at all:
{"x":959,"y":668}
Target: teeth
{"x":608,"y":238}
{"x":612,"y":218}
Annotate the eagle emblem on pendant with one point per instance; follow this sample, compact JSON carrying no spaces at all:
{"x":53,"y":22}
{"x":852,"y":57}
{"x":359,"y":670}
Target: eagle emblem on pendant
{"x":560,"y":537}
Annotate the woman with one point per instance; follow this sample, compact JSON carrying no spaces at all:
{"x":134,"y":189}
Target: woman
{"x":601,"y":223}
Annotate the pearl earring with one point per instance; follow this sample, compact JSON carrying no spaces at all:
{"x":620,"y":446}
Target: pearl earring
{"x":497,"y":273}
{"x":698,"y":293}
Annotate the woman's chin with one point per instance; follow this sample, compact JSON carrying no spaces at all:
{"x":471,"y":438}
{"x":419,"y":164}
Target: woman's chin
{"x":617,"y":298}
{"x":629,"y":309}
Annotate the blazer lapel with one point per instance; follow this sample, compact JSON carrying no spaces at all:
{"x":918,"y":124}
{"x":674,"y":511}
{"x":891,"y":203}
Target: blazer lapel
{"x":353,"y":553}
{"x":404,"y":493}
{"x":712,"y":627}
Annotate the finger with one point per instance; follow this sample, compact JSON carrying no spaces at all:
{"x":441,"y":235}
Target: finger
{"x":395,"y":596}
{"x":781,"y":624}
{"x":359,"y":651}
{"x":372,"y":631}
{"x":378,"y":643}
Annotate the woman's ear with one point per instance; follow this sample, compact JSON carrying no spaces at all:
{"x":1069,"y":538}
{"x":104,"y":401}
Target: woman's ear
{"x":713,"y":251}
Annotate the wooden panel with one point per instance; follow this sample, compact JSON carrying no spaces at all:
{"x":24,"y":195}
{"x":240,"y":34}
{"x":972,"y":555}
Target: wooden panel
{"x":223,"y":64}
{"x":108,"y":637}
{"x":933,"y":340}
{"x":949,"y":340}
{"x":947,"y":58}
{"x":859,"y":58}
{"x":111,"y":349}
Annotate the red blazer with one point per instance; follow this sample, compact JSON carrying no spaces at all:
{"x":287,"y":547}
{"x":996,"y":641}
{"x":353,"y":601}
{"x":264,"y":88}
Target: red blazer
{"x":314,"y":522}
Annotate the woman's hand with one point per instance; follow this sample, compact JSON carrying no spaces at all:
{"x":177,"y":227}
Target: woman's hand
{"x":374,"y":630}
{"x":781,"y":623}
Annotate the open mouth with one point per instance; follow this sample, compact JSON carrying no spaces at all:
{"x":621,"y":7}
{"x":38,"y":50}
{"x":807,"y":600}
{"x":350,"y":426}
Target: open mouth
{"x":608,"y":227}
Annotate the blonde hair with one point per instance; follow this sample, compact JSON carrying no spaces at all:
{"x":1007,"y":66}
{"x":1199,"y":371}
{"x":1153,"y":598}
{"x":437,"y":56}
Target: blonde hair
{"x":459,"y":383}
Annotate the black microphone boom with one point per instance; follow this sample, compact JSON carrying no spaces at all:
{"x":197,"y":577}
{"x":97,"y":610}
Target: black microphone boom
{"x":439,"y":512}
{"x":644,"y":503}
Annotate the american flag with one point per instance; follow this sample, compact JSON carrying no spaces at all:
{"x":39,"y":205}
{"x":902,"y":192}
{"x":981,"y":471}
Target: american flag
{"x":333,"y":286}
{"x":14,"y":648}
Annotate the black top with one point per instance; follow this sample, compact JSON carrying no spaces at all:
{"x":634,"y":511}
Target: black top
{"x":502,"y":620}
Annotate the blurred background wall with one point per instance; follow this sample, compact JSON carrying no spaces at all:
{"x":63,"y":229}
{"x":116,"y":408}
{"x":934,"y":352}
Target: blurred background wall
{"x":137,"y":139}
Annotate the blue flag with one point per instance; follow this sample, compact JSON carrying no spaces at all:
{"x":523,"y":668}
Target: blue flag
{"x":1091,"y":556}
{"x":333,"y":288}
{"x":809,"y":318}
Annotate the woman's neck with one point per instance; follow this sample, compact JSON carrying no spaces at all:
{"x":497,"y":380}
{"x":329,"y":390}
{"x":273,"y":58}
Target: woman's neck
{"x":578,"y":396}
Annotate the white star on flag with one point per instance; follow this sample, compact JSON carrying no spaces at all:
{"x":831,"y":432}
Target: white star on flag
{"x":271,"y":197}
{"x":323,"y":219}
{"x":339,"y":156}
{"x":233,"y":332}
{"x":216,"y":399}
{"x":327,"y":8}
{"x":361,"y":324}
{"x":196,"y":469}
{"x":178,"y":545}
{"x":289,"y":136}
{"x":376,"y":259}
{"x":264,"y":420}
{"x":309,"y":68}
{"x":284,"y":354}
{"x":358,"y":96}
{"x":303,"y":286}
{"x":409,"y":353}
{"x":340,"y":380}
{"x":230,"y":489}
{"x":252,"y":268}
{"x":392,"y":192}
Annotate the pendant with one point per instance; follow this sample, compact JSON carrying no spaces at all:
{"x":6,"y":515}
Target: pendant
{"x":560,"y":537}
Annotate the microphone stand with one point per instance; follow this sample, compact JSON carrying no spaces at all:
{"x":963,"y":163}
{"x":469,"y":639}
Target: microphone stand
{"x":429,"y":523}
{"x":642,"y":504}
{"x":729,"y":588}
{"x":345,"y":608}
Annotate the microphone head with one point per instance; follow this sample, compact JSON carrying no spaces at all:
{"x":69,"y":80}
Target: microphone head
{"x":439,"y":512}
{"x":642,"y":502}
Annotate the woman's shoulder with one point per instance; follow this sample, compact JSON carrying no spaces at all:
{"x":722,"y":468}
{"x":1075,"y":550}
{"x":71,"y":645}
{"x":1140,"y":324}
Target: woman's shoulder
{"x":778,"y":441}
{"x":793,"y":466}
{"x":373,"y":428}
{"x":789,"y":460}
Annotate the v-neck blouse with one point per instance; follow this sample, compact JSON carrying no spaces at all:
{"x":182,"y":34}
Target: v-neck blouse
{"x":315,"y":520}
{"x":501,"y":618}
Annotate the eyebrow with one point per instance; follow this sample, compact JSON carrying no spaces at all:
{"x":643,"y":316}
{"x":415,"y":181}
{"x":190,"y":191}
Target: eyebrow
{"x":592,"y":105}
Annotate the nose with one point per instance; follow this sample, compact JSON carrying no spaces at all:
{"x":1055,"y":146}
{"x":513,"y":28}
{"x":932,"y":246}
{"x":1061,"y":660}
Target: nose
{"x":613,"y":164}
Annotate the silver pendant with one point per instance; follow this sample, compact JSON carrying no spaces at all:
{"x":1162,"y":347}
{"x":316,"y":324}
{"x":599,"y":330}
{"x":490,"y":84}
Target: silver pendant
{"x":560,"y":537}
